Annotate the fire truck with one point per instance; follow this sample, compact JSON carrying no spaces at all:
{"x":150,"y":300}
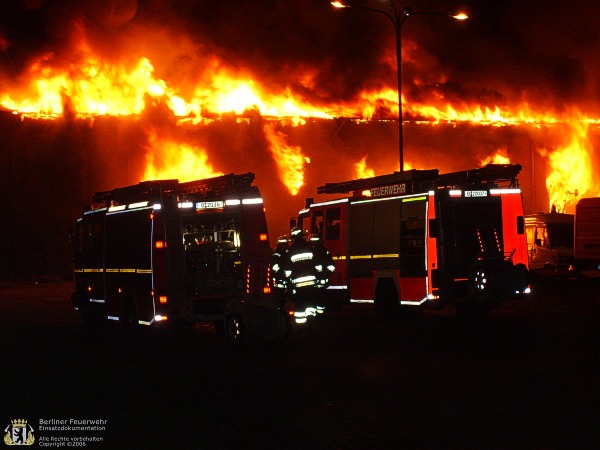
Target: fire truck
{"x":164,"y":251}
{"x":423,"y":238}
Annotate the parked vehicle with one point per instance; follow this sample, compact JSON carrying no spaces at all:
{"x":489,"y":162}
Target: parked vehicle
{"x":420,"y":237}
{"x":161,"y":252}
{"x":550,"y":242}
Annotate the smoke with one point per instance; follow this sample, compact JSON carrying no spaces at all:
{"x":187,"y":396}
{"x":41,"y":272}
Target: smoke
{"x":539,"y":52}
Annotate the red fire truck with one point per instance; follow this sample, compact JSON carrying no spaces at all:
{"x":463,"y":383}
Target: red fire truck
{"x":420,"y":237}
{"x":159,"y":251}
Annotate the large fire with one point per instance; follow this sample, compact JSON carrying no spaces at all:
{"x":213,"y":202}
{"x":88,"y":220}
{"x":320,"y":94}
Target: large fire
{"x":168,"y":159}
{"x":89,"y":86}
{"x":572,"y":175}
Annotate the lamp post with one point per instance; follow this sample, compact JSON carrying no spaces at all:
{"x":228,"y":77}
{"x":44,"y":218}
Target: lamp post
{"x":398,"y":17}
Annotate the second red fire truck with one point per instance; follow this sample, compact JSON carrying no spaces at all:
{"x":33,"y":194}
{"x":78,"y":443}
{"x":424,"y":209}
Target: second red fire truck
{"x":420,"y":237}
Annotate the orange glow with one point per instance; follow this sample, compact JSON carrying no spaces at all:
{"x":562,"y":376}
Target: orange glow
{"x":263,"y":236}
{"x":571,"y":176}
{"x":361,"y":169}
{"x":162,"y":299}
{"x":166,"y":159}
{"x":159,"y":244}
{"x":82,"y":83}
{"x":289,"y":159}
{"x":499,"y":157}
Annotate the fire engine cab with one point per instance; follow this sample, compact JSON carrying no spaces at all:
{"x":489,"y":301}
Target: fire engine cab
{"x":420,"y":237}
{"x":159,"y":251}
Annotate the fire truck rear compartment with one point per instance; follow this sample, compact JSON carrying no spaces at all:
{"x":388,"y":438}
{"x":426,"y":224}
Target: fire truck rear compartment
{"x":472,"y":262}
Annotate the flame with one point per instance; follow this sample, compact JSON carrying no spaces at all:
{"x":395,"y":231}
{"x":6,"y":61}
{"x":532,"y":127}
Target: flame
{"x":90,"y":86}
{"x":87,"y":85}
{"x":168,"y":159}
{"x":290,"y":159}
{"x":499,"y":157}
{"x":361,"y":169}
{"x":571,"y":175}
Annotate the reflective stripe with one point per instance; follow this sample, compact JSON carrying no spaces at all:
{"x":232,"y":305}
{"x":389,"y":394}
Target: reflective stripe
{"x":302,"y":279}
{"x":302,"y":257}
{"x":355,"y":300}
{"x":414,"y":302}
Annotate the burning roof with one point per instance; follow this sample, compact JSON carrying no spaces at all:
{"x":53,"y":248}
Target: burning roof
{"x":272,"y":67}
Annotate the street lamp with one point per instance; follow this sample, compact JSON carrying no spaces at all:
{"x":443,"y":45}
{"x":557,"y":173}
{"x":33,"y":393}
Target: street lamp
{"x":398,"y":18}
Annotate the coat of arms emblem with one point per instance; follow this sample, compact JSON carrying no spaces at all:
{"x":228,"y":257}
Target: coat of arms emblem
{"x":19,"y":433}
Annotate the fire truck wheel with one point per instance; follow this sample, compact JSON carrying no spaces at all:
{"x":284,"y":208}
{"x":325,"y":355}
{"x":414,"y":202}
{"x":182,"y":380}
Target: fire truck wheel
{"x":234,"y":328}
{"x":480,"y":279}
{"x":521,"y":278}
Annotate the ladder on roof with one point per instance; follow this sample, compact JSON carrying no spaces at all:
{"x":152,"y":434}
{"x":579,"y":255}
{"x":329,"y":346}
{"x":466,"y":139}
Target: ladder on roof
{"x":414,"y":176}
{"x":145,"y":190}
{"x":213,"y":187}
{"x":492,"y":173}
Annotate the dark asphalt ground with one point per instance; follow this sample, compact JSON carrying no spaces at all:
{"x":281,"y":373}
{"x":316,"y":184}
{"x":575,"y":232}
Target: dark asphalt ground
{"x":525,"y":377}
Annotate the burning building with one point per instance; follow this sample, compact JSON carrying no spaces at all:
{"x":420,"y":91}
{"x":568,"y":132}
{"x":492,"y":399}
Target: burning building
{"x":95,"y":95}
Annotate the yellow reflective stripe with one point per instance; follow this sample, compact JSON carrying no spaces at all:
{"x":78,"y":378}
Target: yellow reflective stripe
{"x":112,"y":270}
{"x":338,"y":258}
{"x":413,"y":199}
{"x":382,"y":255}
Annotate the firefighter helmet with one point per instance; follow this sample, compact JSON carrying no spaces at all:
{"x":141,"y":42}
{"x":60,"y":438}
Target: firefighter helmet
{"x":296,"y":233}
{"x":282,"y":239}
{"x":314,"y":238}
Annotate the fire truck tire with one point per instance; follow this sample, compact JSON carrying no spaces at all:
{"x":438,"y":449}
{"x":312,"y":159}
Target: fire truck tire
{"x":234,"y":328}
{"x":480,"y":279}
{"x":521,"y":278}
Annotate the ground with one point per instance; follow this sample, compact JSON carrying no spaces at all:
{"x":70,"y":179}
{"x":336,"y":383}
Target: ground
{"x":523,"y":377}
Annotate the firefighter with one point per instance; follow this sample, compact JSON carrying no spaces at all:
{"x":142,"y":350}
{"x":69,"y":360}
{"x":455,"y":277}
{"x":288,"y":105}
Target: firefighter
{"x":324,"y":266}
{"x":279,"y":278}
{"x":299,"y":268}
